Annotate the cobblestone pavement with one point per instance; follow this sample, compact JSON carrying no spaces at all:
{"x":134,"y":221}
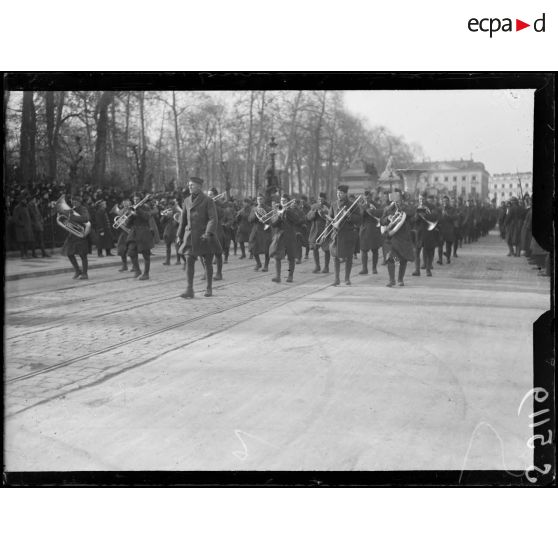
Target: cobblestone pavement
{"x":70,"y":343}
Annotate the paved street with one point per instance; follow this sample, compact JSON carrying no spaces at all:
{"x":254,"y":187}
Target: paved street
{"x":115,"y":374}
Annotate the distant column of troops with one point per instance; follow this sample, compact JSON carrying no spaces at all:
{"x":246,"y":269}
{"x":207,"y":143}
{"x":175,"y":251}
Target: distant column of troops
{"x":401,"y":230}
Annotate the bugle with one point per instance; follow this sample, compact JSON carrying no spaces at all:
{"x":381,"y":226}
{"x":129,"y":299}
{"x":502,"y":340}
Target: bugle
{"x":331,"y":229}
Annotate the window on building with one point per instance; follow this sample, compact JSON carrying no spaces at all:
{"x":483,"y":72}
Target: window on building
{"x":455,"y":178}
{"x":446,"y":178}
{"x":474,"y":177}
{"x":463,"y":178}
{"x":435,"y":179}
{"x":462,"y":190}
{"x":510,"y":185}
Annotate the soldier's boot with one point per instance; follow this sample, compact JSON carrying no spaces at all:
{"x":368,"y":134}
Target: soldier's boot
{"x":189,"y":293}
{"x":124,"y":264}
{"x":277,"y":278}
{"x":147,"y":267}
{"x":391,"y":272}
{"x":291,"y":271}
{"x":448,"y":253}
{"x":135,"y":266}
{"x":337,"y":271}
{"x":440,"y":261}
{"x":327,"y":258}
{"x":258,"y":265}
{"x":84,"y":268}
{"x":178,"y":259}
{"x":348,"y":267}
{"x":316,"y":254}
{"x":266,"y":263}
{"x":364,"y":258}
{"x":402,"y":268}
{"x":374,"y":262}
{"x":219,"y":274}
{"x":243,"y":251}
{"x":77,"y":270}
{"x":168,"y":258}
{"x":209,"y":273}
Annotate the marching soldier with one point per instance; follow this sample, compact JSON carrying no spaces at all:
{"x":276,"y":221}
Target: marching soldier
{"x":370,"y":235}
{"x":244,"y":227}
{"x":513,"y":223}
{"x":140,"y":239}
{"x":260,"y":236}
{"x":170,"y":224}
{"x":228,"y":229}
{"x":23,"y":226}
{"x":220,"y":233}
{"x":427,"y":238}
{"x":318,"y":217}
{"x":283,"y":242}
{"x":197,"y":234}
{"x":74,"y":245}
{"x":342,"y":245}
{"x":447,"y":229}
{"x":122,"y":242}
{"x":397,"y":238}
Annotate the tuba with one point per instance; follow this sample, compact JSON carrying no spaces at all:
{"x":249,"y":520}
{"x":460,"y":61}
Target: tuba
{"x":395,"y":222}
{"x":81,"y":230}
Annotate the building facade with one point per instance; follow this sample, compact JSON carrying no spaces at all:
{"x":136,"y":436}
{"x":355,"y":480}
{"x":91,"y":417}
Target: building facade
{"x":503,"y":186}
{"x":465,"y":179}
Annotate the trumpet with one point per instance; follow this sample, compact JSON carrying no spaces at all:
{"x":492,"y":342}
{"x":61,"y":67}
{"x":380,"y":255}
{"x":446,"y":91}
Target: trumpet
{"x":331,"y":229}
{"x":215,"y":198}
{"x":77,"y":229}
{"x":121,"y":220}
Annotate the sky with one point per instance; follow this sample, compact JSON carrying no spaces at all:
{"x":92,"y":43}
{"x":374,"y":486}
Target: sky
{"x":494,"y":126}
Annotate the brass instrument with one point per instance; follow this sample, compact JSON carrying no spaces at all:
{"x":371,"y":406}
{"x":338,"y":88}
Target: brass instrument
{"x":366,"y":205}
{"x":431,"y":224}
{"x":215,"y":198}
{"x":395,"y":222}
{"x":178,"y":214}
{"x":331,"y":229}
{"x":77,"y":229}
{"x":266,"y":217}
{"x":121,"y":220}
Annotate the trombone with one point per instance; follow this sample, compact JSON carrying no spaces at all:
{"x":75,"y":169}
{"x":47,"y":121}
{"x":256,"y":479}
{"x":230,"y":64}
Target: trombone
{"x":335,"y":224}
{"x":120,"y":220}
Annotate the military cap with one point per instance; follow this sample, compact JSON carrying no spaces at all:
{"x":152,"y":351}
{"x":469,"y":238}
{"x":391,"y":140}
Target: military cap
{"x":343,"y":188}
{"x":196,"y":180}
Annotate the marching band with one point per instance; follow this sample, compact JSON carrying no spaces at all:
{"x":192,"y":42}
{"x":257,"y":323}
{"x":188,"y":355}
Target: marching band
{"x":206,"y":223}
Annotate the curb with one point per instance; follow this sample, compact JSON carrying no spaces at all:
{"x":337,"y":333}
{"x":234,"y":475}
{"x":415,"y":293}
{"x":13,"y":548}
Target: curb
{"x":61,"y":270}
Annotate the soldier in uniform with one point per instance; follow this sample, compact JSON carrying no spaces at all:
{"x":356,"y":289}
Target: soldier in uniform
{"x":447,"y":230}
{"x":74,"y":245}
{"x":369,"y":234}
{"x":140,"y":239}
{"x":318,"y":219}
{"x":425,"y":240}
{"x":283,"y":242}
{"x":342,"y":244}
{"x":228,"y":229}
{"x":398,"y":244}
{"x":122,"y":242}
{"x":170,"y":228}
{"x":244,"y":227}
{"x":197,"y":235}
{"x":513,"y":223}
{"x":260,"y":236}
{"x":220,"y":233}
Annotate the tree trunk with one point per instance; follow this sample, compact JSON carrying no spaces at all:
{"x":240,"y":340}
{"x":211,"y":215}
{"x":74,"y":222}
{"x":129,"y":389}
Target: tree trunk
{"x":99,"y":165}
{"x":176,"y":139}
{"x":249,"y":169}
{"x":27,"y":139}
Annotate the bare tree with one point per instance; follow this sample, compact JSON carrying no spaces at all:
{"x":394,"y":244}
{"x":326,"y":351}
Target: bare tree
{"x":99,"y":165}
{"x":27,"y":138}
